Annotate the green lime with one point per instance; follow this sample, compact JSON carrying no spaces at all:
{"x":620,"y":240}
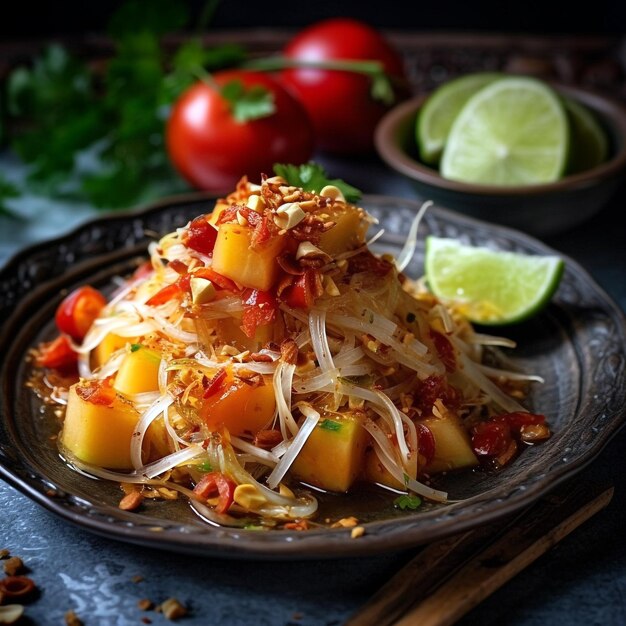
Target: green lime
{"x":488,"y":286}
{"x":512,"y":132}
{"x":441,"y":109}
{"x":589,"y":143}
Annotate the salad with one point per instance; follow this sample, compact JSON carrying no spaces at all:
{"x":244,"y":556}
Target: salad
{"x":264,"y":353}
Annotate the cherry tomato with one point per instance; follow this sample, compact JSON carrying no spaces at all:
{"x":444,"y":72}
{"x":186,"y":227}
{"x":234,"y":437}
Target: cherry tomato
{"x":56,"y":354}
{"x":78,"y":310}
{"x":212,"y":150}
{"x":340,"y":103}
{"x":491,"y":438}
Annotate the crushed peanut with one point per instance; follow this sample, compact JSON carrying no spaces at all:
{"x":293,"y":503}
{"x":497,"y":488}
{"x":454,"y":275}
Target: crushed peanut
{"x":71,"y":619}
{"x":11,"y":613}
{"x":346,"y":522}
{"x":145,"y":605}
{"x":357,"y":531}
{"x":172,"y":609}
{"x":4,"y":553}
{"x":13,"y":565}
{"x":131,"y":501}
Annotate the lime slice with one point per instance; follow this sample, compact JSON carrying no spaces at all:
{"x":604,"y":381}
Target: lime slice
{"x":488,"y":286}
{"x":441,"y":109}
{"x":512,"y":132}
{"x":589,"y":143}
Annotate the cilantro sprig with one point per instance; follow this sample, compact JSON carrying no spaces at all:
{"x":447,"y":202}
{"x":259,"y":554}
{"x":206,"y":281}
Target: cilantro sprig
{"x":408,"y":502}
{"x":312,"y":177}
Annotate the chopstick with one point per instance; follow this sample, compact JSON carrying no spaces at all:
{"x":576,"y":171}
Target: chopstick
{"x":450,"y":577}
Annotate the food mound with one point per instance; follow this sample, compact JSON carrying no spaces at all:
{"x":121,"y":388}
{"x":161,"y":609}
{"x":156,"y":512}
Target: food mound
{"x":264,"y":349}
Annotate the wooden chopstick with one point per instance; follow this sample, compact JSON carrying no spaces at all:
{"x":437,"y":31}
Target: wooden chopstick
{"x":450,"y":577}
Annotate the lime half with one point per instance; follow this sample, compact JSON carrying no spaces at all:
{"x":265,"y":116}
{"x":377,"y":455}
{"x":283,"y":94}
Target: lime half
{"x":489,"y":286}
{"x":441,"y":109}
{"x":512,"y":132}
{"x":589,"y":143}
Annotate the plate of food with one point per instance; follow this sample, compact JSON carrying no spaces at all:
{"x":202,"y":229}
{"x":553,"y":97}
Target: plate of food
{"x":269,"y":376}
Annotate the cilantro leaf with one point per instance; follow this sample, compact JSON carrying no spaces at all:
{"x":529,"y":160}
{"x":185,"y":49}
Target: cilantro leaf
{"x":249,"y":103}
{"x":330,"y":425}
{"x":408,"y":501}
{"x":312,"y":177}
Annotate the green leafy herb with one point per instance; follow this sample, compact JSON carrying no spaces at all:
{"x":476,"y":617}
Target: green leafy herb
{"x":134,"y":347}
{"x":408,"y":501}
{"x":248,"y":104}
{"x":205,"y":466}
{"x":255,"y":527}
{"x":312,"y":177}
{"x":330,"y":425}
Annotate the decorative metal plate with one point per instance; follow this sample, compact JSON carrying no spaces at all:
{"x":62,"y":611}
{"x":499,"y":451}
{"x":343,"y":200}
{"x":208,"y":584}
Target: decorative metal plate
{"x":578,"y":345}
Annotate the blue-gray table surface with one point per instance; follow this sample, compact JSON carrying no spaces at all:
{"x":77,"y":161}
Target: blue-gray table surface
{"x":580,"y":581}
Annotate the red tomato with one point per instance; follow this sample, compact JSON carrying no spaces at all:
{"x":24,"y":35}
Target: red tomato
{"x":212,"y":150}
{"x":200,"y":235}
{"x":78,"y":310}
{"x":259,"y":309}
{"x":56,"y":354}
{"x":301,"y":295}
{"x":340,"y":103}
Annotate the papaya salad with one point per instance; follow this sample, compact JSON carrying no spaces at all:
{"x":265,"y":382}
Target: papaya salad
{"x":264,"y":353}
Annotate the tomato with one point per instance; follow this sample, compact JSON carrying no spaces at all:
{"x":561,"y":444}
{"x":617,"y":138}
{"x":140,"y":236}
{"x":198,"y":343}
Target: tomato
{"x":259,"y":309}
{"x":56,"y":354}
{"x":340,"y":103}
{"x":491,"y":438}
{"x":445,"y":350}
{"x":426,"y":443}
{"x":212,"y":150}
{"x":301,"y":295}
{"x":200,"y":235}
{"x":77,"y":312}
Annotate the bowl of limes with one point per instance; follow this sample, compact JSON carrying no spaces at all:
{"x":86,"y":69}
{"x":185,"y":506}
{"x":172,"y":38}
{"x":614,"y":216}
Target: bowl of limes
{"x":515,"y":150}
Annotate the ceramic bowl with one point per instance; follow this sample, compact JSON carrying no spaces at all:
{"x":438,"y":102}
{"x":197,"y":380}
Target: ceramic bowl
{"x":537,"y":209}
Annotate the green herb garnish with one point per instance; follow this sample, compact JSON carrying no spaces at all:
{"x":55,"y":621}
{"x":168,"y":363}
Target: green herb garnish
{"x":312,"y":177}
{"x":134,"y":347}
{"x":205,"y":466}
{"x":330,"y":425}
{"x":408,"y":501}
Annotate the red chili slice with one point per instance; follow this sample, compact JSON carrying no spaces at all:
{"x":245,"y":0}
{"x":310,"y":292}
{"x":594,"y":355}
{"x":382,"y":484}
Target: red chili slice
{"x":221,"y":282}
{"x":216,"y":483}
{"x":215,"y":384}
{"x":302,"y":294}
{"x":259,"y":309}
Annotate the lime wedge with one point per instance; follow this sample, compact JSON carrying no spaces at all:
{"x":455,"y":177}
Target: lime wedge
{"x":488,"y":286}
{"x":441,"y":109}
{"x":512,"y":132}
{"x":589,"y":143}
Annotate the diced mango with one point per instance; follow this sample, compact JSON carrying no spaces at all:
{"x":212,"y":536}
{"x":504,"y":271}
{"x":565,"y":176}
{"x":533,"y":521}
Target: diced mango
{"x":453,"y":449}
{"x":139,"y":371}
{"x":99,"y":434}
{"x":347,"y":233}
{"x":242,"y":408}
{"x":217,"y":211}
{"x":110,"y":344}
{"x":376,"y":472}
{"x":332,"y":457}
{"x":234,"y":258}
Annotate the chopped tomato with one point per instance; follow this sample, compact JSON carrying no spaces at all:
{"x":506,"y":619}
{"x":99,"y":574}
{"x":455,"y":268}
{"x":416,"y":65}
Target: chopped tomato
{"x":259,"y":309}
{"x":426,"y":443}
{"x":518,"y":419}
{"x":216,"y":483}
{"x":301,"y":295}
{"x":78,"y":310}
{"x":435,"y":388}
{"x":200,"y":235}
{"x":56,"y":354}
{"x":219,"y":281}
{"x":445,"y":350}
{"x":491,"y":438}
{"x":97,"y":392}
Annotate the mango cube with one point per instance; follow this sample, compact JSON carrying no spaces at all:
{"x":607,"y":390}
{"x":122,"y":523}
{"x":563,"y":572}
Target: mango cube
{"x":242,"y":408}
{"x":453,"y":449}
{"x":347,"y":233}
{"x":99,"y":434}
{"x":332,"y":457}
{"x":234,"y":257}
{"x":110,"y":344}
{"x":139,"y":371}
